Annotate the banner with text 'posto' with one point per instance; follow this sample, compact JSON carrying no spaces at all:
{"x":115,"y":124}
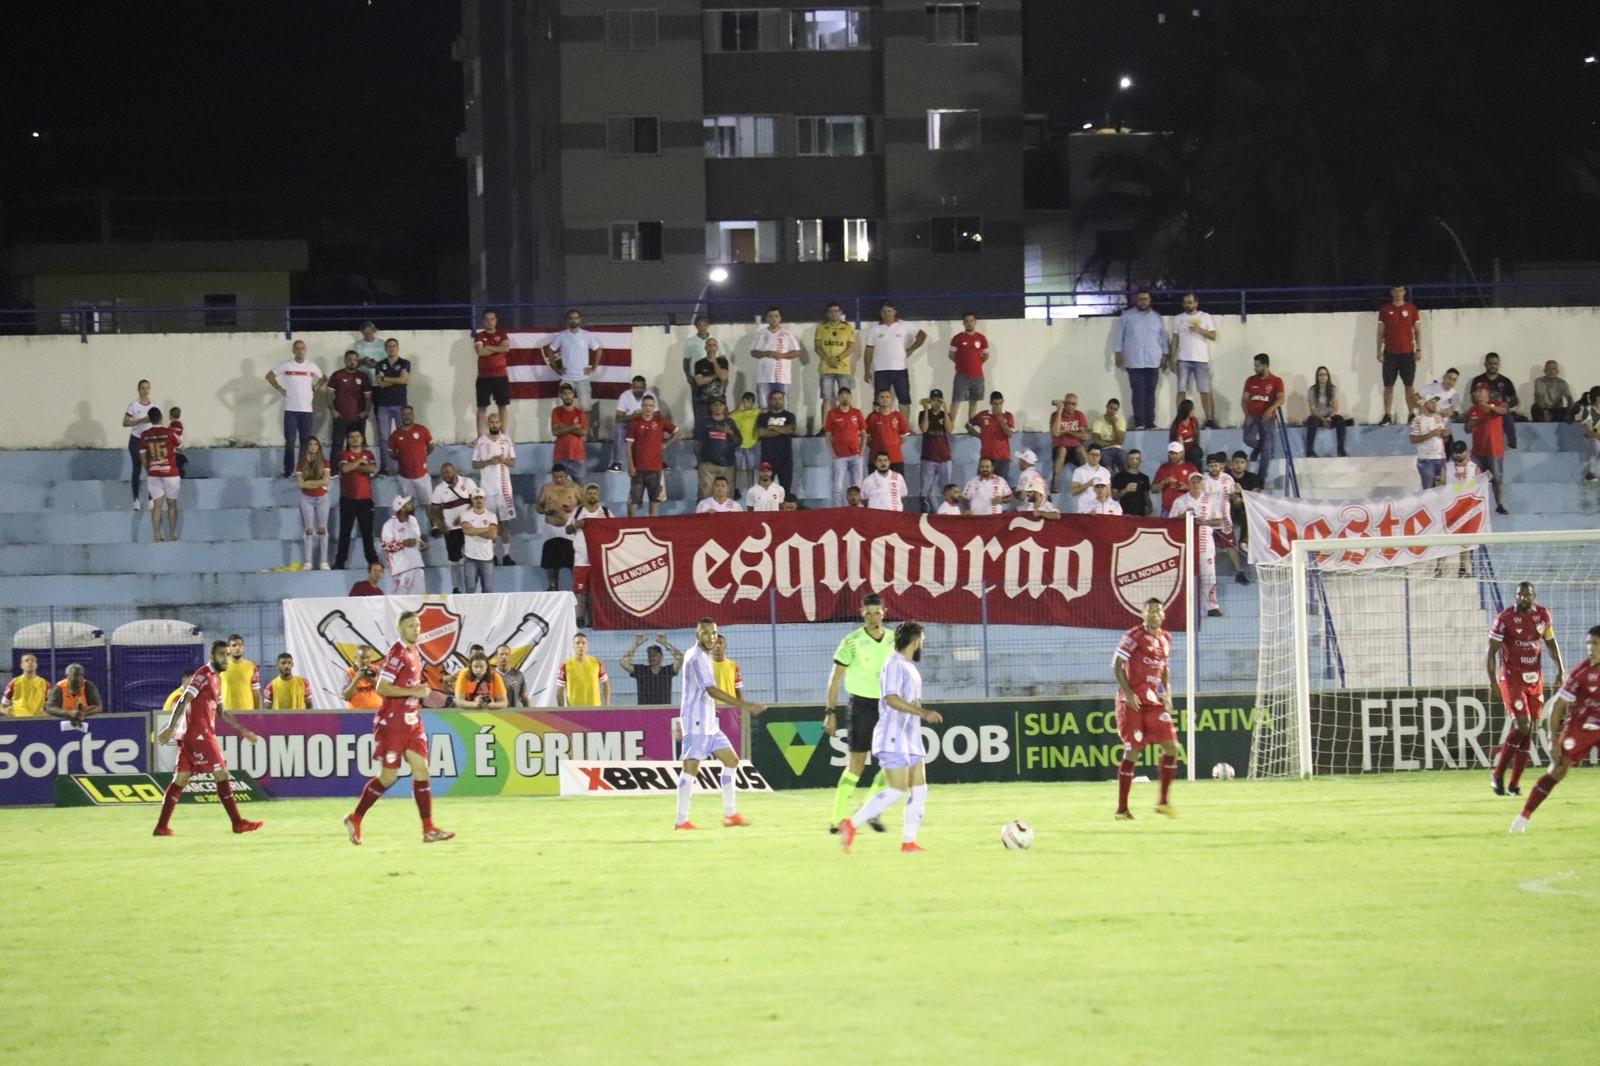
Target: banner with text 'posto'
{"x":35,"y":751}
{"x":1001,"y":740}
{"x":816,"y":566}
{"x":1276,"y":522}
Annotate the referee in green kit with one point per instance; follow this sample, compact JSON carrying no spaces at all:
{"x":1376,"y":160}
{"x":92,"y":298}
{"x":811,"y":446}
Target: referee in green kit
{"x":858,"y":662}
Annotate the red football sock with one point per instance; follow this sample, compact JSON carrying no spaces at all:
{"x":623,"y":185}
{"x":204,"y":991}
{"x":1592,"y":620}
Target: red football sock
{"x":422,"y":792}
{"x":369,"y":796}
{"x":1169,"y":768}
{"x":1503,"y":756}
{"x":229,"y":804}
{"x":169,"y":803}
{"x":1519,"y":758}
{"x":1537,"y":796}
{"x":1124,"y":783}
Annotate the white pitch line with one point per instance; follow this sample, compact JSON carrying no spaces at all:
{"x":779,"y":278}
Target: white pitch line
{"x":1546,"y":887}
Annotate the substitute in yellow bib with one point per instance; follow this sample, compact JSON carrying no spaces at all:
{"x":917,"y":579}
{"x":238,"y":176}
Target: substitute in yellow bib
{"x":285,"y":692}
{"x":25,"y":694}
{"x":241,"y":681}
{"x":581,"y":681}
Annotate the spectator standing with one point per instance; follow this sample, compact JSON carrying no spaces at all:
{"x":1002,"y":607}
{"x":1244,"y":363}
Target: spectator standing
{"x":775,"y":349}
{"x":1399,"y":347}
{"x":655,"y":677}
{"x":591,"y":507}
{"x":718,"y":440}
{"x":569,"y":427}
{"x":969,"y":351}
{"x":766,"y":494}
{"x":1245,"y":480}
{"x":887,"y":430}
{"x":74,"y":697}
{"x":582,"y":681}
{"x":452,"y":498}
{"x":1263,"y":396}
{"x":296,"y":379}
{"x":749,"y":454}
{"x":286,"y":692}
{"x":404,"y":545}
{"x":1028,"y":477}
{"x":1322,"y":401}
{"x":628,"y":406}
{"x":951,"y":501}
{"x":1085,"y":477}
{"x":1429,"y":433}
{"x":371,"y":585}
{"x":390,"y":389}
{"x":1501,"y":393}
{"x":835,"y":345}
{"x":558,"y":502}
{"x":495,"y":457}
{"x":1131,"y":486}
{"x":933,"y":424}
{"x":994,"y":428}
{"x":1109,"y":432}
{"x":889,"y":346}
{"x":356,"y":467}
{"x":315,"y":476}
{"x":477,"y":528}
{"x":136,"y":419}
{"x":349,"y":396}
{"x":1141,"y":340}
{"x":988,"y":492}
{"x":490,"y":346}
{"x":776,"y":428}
{"x":1552,"y":396}
{"x":1069,"y":428}
{"x":26,"y":693}
{"x":1460,"y":468}
{"x":1206,"y":519}
{"x":648,"y":437}
{"x":159,"y":447}
{"x":1219,"y":483}
{"x":1101,"y":502}
{"x":1193,"y":333}
{"x":369,"y":349}
{"x":1589,"y":421}
{"x":694,"y":349}
{"x":719,"y":502}
{"x":361,"y":693}
{"x":410,"y":445}
{"x":1172,"y":477}
{"x":1185,"y":430}
{"x":479,"y":686}
{"x":846,"y":431}
{"x":175,"y":423}
{"x":885,"y":488}
{"x":709,"y":380}
{"x":516,"y":684}
{"x":1486,"y":422}
{"x":241,"y":679}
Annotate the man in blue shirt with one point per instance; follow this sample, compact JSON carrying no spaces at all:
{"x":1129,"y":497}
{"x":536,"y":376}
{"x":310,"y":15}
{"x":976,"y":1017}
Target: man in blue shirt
{"x":1141,"y":340}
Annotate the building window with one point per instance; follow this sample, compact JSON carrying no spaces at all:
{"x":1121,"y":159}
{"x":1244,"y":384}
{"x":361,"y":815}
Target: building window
{"x":953,"y":131}
{"x":633,"y":135}
{"x":636,"y":242}
{"x":630,"y":29}
{"x":834,"y":240}
{"x":739,"y":136}
{"x":833,"y":135}
{"x":747,"y":29}
{"x":830,"y":29}
{"x":742,"y":242}
{"x":955,"y":235}
{"x":222,"y":310}
{"x":952,"y":23}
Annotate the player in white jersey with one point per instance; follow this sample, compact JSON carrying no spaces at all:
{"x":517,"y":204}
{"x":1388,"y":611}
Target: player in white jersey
{"x":884,"y":489}
{"x":494,"y":457}
{"x":897,"y":740}
{"x":403,"y":544}
{"x":697,"y":727}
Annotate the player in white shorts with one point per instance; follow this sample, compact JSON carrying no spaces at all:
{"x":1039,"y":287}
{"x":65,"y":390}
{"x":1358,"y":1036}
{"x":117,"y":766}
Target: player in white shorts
{"x":697,"y":727}
{"x":897,"y":740}
{"x":494,"y":456}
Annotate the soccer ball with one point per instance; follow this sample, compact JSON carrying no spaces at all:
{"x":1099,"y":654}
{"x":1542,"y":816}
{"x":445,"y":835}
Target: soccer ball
{"x":1222,"y":772}
{"x":1016,"y":836}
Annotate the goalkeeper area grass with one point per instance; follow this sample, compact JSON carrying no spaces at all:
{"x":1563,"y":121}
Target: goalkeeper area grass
{"x":1380,"y":919}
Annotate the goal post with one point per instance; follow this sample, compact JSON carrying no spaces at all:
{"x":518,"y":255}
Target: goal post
{"x":1372,"y":650}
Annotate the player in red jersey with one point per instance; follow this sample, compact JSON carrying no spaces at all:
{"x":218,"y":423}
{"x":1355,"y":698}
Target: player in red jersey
{"x":1144,"y":703}
{"x":1514,"y":640}
{"x":397,"y":732}
{"x":1575,"y":720}
{"x":198,"y":753}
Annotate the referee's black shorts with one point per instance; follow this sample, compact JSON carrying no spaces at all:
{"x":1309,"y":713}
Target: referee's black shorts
{"x":863,"y":720}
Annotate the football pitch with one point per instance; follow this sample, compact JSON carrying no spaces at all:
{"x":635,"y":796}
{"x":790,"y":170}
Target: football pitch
{"x":1381,"y":919}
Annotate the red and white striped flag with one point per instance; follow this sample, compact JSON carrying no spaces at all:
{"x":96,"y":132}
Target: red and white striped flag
{"x":532,"y":378}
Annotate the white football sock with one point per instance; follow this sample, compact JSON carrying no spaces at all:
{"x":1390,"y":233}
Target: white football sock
{"x":915,"y":806}
{"x":729,"y":806}
{"x":875,"y":806}
{"x":685,"y":794}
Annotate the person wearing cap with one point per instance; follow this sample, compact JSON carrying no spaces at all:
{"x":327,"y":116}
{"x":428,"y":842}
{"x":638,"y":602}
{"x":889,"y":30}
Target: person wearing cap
{"x":1028,"y":477}
{"x":885,"y":488}
{"x":74,"y":697}
{"x":1036,"y":502}
{"x":1207,"y":517}
{"x":1085,"y":477}
{"x":1428,"y":434}
{"x":403,"y":544}
{"x":1109,"y":431}
{"x":846,"y":431}
{"x":590,"y":507}
{"x":719,"y":502}
{"x":1101,"y":502}
{"x":478,"y":528}
{"x":1172,"y":477}
{"x":933,"y":424}
{"x":1460,"y":469}
{"x":558,"y":501}
{"x":766,"y":494}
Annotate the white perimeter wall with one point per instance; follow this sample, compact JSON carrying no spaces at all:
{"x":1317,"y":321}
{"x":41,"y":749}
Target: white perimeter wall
{"x":63,"y":393}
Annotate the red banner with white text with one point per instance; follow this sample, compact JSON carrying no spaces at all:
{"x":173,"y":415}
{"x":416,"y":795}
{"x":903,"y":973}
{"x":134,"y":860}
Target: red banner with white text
{"x":816,"y":566}
{"x":1276,"y":522}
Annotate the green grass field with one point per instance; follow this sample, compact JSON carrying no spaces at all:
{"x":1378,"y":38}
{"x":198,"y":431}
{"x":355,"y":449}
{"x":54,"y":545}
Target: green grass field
{"x":1343,"y":920}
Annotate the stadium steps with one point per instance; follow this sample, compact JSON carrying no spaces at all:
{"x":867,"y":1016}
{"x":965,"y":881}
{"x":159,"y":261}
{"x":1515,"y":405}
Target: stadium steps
{"x":1397,"y":631}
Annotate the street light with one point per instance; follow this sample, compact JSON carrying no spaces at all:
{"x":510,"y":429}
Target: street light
{"x":1125,"y":83}
{"x":714,"y":276}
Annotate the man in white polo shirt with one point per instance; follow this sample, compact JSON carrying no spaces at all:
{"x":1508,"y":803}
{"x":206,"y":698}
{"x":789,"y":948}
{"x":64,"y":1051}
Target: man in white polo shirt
{"x":297,"y":380}
{"x":775,"y":350}
{"x":988,"y":492}
{"x":1086,"y":477}
{"x":889,"y":345}
{"x":573,"y":354}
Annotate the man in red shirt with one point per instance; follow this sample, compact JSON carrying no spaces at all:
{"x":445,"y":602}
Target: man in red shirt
{"x":369,"y":585}
{"x":1068,"y":428}
{"x":1486,"y":420}
{"x":349,"y":396}
{"x":1172,"y":477}
{"x":993,"y":428}
{"x":198,"y":752}
{"x":159,"y":446}
{"x":1263,"y":395}
{"x":1399,"y":348}
{"x":410,"y":445}
{"x":490,"y":344}
{"x":569,"y":425}
{"x":647,"y":440}
{"x":886,"y":429}
{"x":846,"y":431}
{"x":1144,"y":704}
{"x":356,"y":467}
{"x":969,"y":350}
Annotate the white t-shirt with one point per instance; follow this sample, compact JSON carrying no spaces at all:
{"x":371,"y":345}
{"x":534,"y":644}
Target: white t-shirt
{"x":580,"y":540}
{"x":986,"y":494}
{"x":775,"y":371}
{"x":760,"y":499}
{"x":949,"y":508}
{"x":480,"y":548}
{"x":1203,"y":507}
{"x":1460,"y":474}
{"x":574,"y":349}
{"x":1107,"y":506}
{"x":395,"y":532}
{"x":1030,"y":480}
{"x":1025,"y":507}
{"x":298,"y":381}
{"x":1192,"y":347}
{"x":136,"y":411}
{"x":709,"y":505}
{"x":1433,"y":447}
{"x":496,"y":479}
{"x":628,"y":404}
{"x":1449,"y":402}
{"x":897,"y":731}
{"x":454,"y":500}
{"x":888,"y":343}
{"x":1089,"y":476}
{"x":884,"y":492}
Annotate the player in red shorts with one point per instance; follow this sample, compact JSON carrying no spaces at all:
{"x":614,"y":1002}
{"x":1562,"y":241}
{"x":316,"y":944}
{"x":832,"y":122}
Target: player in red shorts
{"x":1519,"y":678}
{"x":197,"y":750}
{"x":1144,"y":703}
{"x":397,"y":733}
{"x":1575,"y":720}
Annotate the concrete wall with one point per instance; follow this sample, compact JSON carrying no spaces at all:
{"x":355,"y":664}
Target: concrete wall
{"x":63,"y":393}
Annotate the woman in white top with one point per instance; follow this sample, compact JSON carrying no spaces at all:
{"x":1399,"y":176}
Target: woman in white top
{"x":136,"y":420}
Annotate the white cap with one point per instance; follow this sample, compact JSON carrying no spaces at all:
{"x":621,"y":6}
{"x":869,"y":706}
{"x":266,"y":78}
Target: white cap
{"x":1174,"y":447}
{"x":401,"y":501}
{"x":1027,"y":455}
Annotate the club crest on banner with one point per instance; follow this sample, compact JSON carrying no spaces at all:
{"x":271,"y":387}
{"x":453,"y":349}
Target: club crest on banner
{"x":1148,"y":565}
{"x":441,"y":628}
{"x":638,"y":571}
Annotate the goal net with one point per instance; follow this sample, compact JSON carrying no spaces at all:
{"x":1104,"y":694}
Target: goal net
{"x":1375,"y":660}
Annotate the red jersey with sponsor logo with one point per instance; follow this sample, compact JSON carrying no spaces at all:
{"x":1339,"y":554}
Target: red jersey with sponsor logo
{"x":356,"y":485}
{"x":1399,"y":327}
{"x":569,"y":446}
{"x":1261,"y":393}
{"x":403,"y":669}
{"x":647,"y":436}
{"x":1521,"y":635}
{"x":969,"y":350}
{"x":410,"y":445}
{"x":1144,"y":656}
{"x":1583,"y":690}
{"x":884,"y":432}
{"x":160,"y":446}
{"x":491,"y":366}
{"x":205,"y":696}
{"x":844,"y":430}
{"x":992,"y":440}
{"x":1074,"y":428}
